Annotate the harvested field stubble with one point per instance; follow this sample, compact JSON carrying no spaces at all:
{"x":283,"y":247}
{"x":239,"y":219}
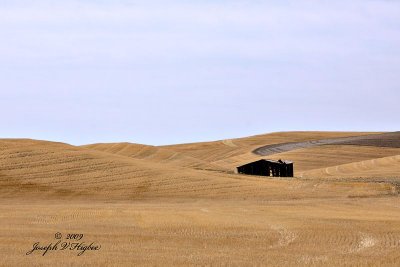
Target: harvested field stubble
{"x":182,"y":204}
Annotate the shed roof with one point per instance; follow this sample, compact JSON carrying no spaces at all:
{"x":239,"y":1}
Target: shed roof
{"x":269,"y":160}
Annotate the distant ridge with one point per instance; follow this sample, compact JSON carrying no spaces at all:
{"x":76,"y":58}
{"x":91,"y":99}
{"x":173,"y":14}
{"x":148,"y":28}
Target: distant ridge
{"x":378,"y":140}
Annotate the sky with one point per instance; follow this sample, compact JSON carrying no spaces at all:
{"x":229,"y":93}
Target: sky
{"x":178,"y":71}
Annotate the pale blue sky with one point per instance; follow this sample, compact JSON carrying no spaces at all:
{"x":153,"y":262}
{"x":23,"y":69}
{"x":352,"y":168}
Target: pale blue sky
{"x":162,"y":72}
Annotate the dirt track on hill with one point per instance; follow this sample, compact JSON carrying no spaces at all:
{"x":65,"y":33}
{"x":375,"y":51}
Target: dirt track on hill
{"x":378,"y":140}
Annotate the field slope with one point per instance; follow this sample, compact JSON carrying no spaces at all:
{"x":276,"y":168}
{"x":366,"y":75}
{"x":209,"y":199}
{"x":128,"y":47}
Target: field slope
{"x":184,"y":205}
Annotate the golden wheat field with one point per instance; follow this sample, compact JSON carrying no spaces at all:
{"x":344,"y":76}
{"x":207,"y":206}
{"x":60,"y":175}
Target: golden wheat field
{"x":125,"y":204}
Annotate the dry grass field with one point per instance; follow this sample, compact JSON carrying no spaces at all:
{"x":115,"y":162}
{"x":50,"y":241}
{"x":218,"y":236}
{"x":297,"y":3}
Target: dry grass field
{"x":183,"y":204}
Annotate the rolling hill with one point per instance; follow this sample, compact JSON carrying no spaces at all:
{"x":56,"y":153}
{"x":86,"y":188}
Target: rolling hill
{"x":183,"y":205}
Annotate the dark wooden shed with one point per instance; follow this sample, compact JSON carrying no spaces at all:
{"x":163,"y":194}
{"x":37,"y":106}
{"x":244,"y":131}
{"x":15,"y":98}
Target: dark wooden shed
{"x":264,"y":167}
